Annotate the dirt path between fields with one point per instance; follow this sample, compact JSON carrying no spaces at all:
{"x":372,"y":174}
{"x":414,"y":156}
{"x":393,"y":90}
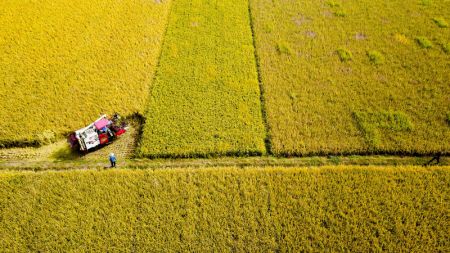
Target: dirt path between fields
{"x":241,"y":162}
{"x":58,"y":156}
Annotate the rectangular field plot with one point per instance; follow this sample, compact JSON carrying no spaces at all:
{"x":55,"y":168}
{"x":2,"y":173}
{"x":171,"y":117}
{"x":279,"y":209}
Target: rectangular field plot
{"x":205,"y":99}
{"x":350,"y":209}
{"x":355,"y":76}
{"x":62,"y":63}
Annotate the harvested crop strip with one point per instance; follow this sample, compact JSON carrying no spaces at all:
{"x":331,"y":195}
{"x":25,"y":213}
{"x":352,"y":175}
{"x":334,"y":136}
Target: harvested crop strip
{"x":350,"y":209}
{"x":64,"y":62}
{"x":205,"y":100}
{"x":341,"y":60}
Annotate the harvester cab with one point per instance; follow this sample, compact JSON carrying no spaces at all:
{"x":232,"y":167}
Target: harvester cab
{"x":101,"y":132}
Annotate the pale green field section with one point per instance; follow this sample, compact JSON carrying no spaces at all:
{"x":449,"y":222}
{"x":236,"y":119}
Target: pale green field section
{"x":64,"y":62}
{"x":355,"y":209}
{"x":206,"y":98}
{"x":355,"y":77}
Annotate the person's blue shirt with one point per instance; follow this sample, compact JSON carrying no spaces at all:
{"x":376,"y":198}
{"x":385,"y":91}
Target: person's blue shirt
{"x":112,"y":158}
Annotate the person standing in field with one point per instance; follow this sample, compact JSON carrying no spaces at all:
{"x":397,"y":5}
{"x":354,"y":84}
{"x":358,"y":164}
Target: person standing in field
{"x":112,"y":159}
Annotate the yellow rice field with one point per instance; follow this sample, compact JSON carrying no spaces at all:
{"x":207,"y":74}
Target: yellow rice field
{"x":353,"y":209}
{"x":355,"y":77}
{"x":63,"y":63}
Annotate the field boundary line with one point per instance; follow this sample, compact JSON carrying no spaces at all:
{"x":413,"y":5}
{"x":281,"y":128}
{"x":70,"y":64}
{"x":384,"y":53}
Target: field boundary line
{"x":267,"y":139}
{"x":238,"y":162}
{"x":158,"y":63}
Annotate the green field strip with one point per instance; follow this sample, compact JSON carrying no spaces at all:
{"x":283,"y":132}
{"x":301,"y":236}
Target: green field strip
{"x":62,"y":63}
{"x":205,"y":99}
{"x":344,"y":208}
{"x":346,"y":78}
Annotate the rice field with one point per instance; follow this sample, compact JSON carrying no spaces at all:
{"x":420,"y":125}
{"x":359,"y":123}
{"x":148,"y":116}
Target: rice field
{"x":214,"y":78}
{"x":205,"y":99}
{"x":63,"y":63}
{"x":231,"y":78}
{"x":354,"y":77}
{"x":355,"y":209}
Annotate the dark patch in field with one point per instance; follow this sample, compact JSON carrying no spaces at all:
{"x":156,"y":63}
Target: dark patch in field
{"x":327,"y":14}
{"x":360,"y":36}
{"x":346,"y":70}
{"x":381,"y":78}
{"x":301,"y":19}
{"x":310,"y":34}
{"x":385,"y":21}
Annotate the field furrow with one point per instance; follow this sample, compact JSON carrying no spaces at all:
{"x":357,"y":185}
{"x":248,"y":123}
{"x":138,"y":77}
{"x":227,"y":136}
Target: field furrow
{"x":205,"y":99}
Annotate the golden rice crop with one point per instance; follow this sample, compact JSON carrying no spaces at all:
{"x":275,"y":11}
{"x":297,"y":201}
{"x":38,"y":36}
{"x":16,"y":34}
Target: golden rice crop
{"x":340,"y":59}
{"x":205,"y":99}
{"x":63,"y":62}
{"x":350,"y":209}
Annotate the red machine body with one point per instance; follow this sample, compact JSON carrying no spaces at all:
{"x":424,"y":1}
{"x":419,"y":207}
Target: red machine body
{"x":101,"y":132}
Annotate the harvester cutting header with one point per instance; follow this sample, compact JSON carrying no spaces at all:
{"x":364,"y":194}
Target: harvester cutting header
{"x":101,"y":132}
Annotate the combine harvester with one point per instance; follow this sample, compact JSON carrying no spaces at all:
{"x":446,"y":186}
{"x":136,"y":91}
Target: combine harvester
{"x":100,"y":133}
